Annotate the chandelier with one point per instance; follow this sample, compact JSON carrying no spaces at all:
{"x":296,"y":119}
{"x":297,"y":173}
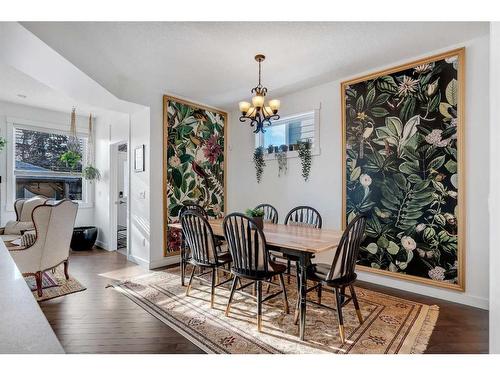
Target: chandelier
{"x":259,"y":112}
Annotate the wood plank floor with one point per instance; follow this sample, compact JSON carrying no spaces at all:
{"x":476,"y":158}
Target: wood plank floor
{"x":100,"y":320}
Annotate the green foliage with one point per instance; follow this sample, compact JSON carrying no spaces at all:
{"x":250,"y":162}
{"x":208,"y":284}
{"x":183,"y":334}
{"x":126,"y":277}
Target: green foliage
{"x":91,"y":173}
{"x":71,"y":159}
{"x":254,"y":212}
{"x":259,"y":162}
{"x":3,"y":142}
{"x":195,"y":162}
{"x":281,"y":157}
{"x":401,"y":169}
{"x":304,"y":151}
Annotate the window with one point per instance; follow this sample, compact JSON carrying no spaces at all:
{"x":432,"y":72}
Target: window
{"x":290,"y":130}
{"x":38,"y":168}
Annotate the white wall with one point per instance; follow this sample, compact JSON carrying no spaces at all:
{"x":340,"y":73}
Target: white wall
{"x":494,"y":197}
{"x":324,"y":188}
{"x":140,"y":194}
{"x":85,"y":215}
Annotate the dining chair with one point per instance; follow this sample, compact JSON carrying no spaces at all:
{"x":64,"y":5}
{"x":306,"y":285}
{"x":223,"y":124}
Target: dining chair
{"x":185,"y":255}
{"x":200,"y":239}
{"x":304,"y":216}
{"x":270,"y":213}
{"x":251,"y":261}
{"x":340,"y":274}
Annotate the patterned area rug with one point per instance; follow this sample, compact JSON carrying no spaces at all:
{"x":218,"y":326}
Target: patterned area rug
{"x":392,"y":325}
{"x":54,"y":285}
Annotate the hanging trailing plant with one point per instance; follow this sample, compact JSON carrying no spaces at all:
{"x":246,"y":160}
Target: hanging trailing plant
{"x":73,"y":156}
{"x":258,"y":159}
{"x":282,"y":160}
{"x":304,"y":151}
{"x":3,"y":143}
{"x":90,"y":172}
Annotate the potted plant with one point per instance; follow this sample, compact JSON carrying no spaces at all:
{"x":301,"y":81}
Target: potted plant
{"x":71,"y":159}
{"x":91,"y":173}
{"x":257,"y":215}
{"x":258,"y":159}
{"x":282,"y":159}
{"x":270,"y":149}
{"x":305,"y":155}
{"x":3,"y":142}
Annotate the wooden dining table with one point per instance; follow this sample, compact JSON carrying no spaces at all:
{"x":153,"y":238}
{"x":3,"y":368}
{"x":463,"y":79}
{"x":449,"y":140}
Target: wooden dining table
{"x":298,"y":243}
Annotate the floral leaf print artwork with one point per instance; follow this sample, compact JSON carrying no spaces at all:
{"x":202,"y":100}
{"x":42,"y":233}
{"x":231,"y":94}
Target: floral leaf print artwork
{"x":194,"y":162}
{"x":402,"y":132}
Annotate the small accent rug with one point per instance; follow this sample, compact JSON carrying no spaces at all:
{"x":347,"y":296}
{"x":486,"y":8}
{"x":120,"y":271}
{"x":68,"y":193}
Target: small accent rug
{"x":54,"y":285}
{"x":391,"y":325}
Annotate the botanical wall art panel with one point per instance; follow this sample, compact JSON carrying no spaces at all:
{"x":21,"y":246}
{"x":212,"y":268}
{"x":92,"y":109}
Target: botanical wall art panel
{"x":193,"y":162}
{"x":403,"y":167}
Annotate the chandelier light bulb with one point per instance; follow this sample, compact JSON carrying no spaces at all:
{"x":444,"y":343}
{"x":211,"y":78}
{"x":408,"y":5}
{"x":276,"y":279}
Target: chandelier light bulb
{"x":258,"y":101}
{"x":275,"y":105}
{"x":244,"y":107}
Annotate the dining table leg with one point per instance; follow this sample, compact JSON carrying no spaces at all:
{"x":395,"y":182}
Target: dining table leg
{"x":304,"y":260}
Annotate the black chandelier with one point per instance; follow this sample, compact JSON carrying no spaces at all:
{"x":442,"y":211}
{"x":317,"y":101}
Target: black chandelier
{"x":259,"y":112}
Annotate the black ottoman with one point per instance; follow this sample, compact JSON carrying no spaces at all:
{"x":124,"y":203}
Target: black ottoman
{"x":83,"y":238}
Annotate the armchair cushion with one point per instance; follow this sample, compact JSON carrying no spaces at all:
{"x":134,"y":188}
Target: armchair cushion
{"x":16,"y":227}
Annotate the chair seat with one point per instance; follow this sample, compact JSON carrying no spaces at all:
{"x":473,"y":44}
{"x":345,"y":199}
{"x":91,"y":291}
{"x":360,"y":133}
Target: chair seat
{"x":276,"y":269}
{"x":319,"y":272}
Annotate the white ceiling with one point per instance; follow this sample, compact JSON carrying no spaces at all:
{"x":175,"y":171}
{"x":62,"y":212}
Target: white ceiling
{"x":36,"y":94}
{"x":213,"y":62}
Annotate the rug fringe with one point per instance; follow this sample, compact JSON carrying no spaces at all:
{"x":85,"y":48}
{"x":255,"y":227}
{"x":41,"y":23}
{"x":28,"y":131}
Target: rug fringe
{"x":425,"y":333}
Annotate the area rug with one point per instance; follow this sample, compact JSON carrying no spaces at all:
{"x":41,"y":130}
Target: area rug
{"x":391,"y":325}
{"x":54,"y":285}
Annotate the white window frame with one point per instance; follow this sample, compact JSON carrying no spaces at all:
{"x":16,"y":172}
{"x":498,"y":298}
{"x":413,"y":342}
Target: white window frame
{"x":12,"y":123}
{"x":316,"y":150}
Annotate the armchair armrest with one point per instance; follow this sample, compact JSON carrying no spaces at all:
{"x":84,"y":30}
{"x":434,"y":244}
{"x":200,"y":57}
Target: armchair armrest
{"x":2,"y":229}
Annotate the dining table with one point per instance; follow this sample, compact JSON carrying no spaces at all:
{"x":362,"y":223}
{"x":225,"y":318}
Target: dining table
{"x":299,"y":243}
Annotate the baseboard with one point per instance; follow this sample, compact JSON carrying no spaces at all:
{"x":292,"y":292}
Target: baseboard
{"x":139,"y":261}
{"x":102,"y":245}
{"x":167,"y":261}
{"x":447,"y":295}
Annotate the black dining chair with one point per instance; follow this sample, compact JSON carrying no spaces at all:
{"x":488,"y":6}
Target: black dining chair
{"x":304,"y":216}
{"x":185,"y":254}
{"x":270,"y":213}
{"x":200,"y":239}
{"x":251,"y":260}
{"x":340,"y":274}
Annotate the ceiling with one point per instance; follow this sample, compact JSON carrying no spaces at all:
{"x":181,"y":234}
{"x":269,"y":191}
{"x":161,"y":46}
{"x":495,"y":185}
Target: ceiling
{"x":213,"y":62}
{"x":17,"y":87}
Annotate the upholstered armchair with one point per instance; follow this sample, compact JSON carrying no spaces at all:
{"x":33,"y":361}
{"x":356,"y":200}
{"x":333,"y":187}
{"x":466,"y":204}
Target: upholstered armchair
{"x":54,"y":227}
{"x":23,"y":207}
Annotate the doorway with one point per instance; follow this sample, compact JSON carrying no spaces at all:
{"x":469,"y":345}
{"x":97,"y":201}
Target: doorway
{"x":119,"y":196}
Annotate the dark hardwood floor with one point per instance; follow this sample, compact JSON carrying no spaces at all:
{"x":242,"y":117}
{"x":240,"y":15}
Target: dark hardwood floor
{"x":100,"y":320}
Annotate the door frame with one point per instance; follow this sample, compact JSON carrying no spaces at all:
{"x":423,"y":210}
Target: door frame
{"x":113,"y":196}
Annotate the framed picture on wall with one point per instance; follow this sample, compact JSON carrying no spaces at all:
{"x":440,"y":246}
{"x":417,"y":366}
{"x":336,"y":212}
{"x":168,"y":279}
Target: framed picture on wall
{"x":194,"y":163}
{"x":403,"y":166}
{"x":139,"y":158}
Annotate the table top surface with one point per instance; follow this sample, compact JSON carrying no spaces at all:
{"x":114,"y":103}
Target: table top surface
{"x":23,"y":328}
{"x":301,"y":238}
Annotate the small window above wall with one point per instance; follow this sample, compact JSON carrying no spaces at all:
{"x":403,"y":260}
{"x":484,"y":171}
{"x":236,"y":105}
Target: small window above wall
{"x":289,"y":131}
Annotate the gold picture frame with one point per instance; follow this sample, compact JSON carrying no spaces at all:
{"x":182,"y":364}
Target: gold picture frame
{"x":461,"y":166}
{"x":166,"y":99}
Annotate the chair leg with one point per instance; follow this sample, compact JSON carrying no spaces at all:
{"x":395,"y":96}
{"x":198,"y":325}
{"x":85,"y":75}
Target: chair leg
{"x":259,"y":305}
{"x":66,"y":264}
{"x":183,"y":266}
{"x":212,"y":290}
{"x":285,"y":298}
{"x":38,"y":279}
{"x":356,"y":304}
{"x":297,"y":307}
{"x":288,"y":269}
{"x":231,"y":294}
{"x":339,"y":314}
{"x":190,"y":281}
{"x":319,"y":290}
